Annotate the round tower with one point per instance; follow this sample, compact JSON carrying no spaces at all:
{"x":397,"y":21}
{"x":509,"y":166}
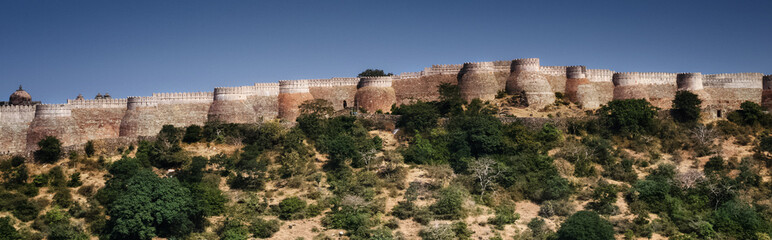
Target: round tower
{"x":626,"y":86}
{"x":766,"y":94}
{"x":477,"y":80}
{"x":575,"y":76}
{"x":689,"y":81}
{"x":291,"y":95}
{"x":230,"y":105}
{"x":526,"y":79}
{"x":141,"y":118}
{"x":375,"y":93}
{"x":53,"y":120}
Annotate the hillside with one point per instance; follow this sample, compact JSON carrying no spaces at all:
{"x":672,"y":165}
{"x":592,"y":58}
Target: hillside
{"x":442,"y":170}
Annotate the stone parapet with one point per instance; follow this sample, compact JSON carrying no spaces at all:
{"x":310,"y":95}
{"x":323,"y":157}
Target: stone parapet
{"x":526,"y":65}
{"x":293,"y":86}
{"x":689,"y":81}
{"x":52,"y":111}
{"x":382,"y":81}
{"x":576,"y":72}
{"x":733,"y":80}
{"x":600,"y":75}
{"x":97,"y":103}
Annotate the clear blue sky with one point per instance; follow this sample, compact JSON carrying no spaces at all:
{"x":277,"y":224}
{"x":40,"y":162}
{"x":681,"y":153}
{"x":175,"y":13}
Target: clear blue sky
{"x":58,"y":49}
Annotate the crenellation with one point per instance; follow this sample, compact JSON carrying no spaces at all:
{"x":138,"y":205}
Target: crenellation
{"x":23,"y":122}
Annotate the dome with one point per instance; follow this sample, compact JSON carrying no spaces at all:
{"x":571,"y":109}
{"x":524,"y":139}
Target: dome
{"x":20,"y":97}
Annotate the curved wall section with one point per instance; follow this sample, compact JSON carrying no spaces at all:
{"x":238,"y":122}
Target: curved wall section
{"x":53,"y":120}
{"x":375,"y":93}
{"x":477,"y":80}
{"x":291,"y":95}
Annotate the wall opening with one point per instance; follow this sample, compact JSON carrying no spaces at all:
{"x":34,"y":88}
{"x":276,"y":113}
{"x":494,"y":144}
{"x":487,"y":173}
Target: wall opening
{"x":345,"y":105}
{"x":718,"y":114}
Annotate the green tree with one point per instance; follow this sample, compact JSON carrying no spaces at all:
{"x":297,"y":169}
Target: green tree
{"x":50,"y":150}
{"x":291,"y":208}
{"x":450,"y":101}
{"x":7,"y":231}
{"x":585,"y":225}
{"x":628,"y":117}
{"x":193,"y":133}
{"x":449,"y":205}
{"x":750,"y":114}
{"x":89,"y":148}
{"x":686,"y":107}
{"x":149,"y":207}
{"x":373,"y":73}
{"x":417,"y":117}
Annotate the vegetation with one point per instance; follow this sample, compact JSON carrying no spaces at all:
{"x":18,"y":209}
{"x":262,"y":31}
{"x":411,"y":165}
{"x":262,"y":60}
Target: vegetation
{"x":678,"y":176}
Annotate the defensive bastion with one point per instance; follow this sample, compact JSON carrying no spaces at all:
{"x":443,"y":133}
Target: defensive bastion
{"x":80,"y":120}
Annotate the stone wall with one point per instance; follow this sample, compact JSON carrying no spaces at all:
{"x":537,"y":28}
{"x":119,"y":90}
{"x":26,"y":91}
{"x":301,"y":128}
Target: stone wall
{"x":477,"y":80}
{"x":337,"y":91}
{"x":14,"y":125}
{"x":98,"y":118}
{"x":54,"y":120}
{"x":375,"y":94}
{"x":424,"y":88}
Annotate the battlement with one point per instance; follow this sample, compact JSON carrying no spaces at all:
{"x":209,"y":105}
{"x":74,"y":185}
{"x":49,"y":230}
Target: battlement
{"x":502,"y":66}
{"x":477,"y":66}
{"x":293,"y":86}
{"x":576,"y":72}
{"x":600,"y":75}
{"x":52,"y":110}
{"x":406,"y":75}
{"x":381,"y":81}
{"x":266,"y":89}
{"x":97,"y":103}
{"x":17,"y":108}
{"x":135,"y":102}
{"x":333,"y":82}
{"x":183,"y":97}
{"x":553,"y":70}
{"x":767,"y":82}
{"x":233,"y":93}
{"x":526,"y":65}
{"x":733,"y":80}
{"x":643,"y":78}
{"x":443,"y":69}
{"x":689,"y":81}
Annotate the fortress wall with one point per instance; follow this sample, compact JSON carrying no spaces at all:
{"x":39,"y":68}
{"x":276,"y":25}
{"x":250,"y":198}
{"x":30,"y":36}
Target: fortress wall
{"x":598,"y":91}
{"x":98,"y":118}
{"x":575,"y":76}
{"x":145,"y":116}
{"x":556,"y":76}
{"x":443,"y":69}
{"x":54,"y":120}
{"x":14,"y":125}
{"x":424,"y":88}
{"x":766,"y":95}
{"x":375,"y":93}
{"x":335,"y":90}
{"x":291,"y":95}
{"x":140,"y":118}
{"x":527,"y":78}
{"x":729,"y":90}
{"x":477,"y":80}
{"x":231,"y":105}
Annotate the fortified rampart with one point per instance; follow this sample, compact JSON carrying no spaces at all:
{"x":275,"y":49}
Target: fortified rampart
{"x":766,"y":94}
{"x":375,"y":94}
{"x":292,"y":93}
{"x":78,"y":121}
{"x":54,"y":120}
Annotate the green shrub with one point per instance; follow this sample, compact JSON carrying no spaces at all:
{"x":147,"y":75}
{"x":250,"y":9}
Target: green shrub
{"x":417,"y":117}
{"x":585,"y":225}
{"x":561,"y":208}
{"x":262,"y":228}
{"x":7,"y":231}
{"x":89,"y":149}
{"x":686,"y":107}
{"x":628,"y":117}
{"x":50,"y":150}
{"x":604,"y":196}
{"x":505,"y":214}
{"x":63,"y":198}
{"x":193,"y":133}
{"x":74,"y":180}
{"x":449,"y":204}
{"x":233,"y":230}
{"x":291,"y":208}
